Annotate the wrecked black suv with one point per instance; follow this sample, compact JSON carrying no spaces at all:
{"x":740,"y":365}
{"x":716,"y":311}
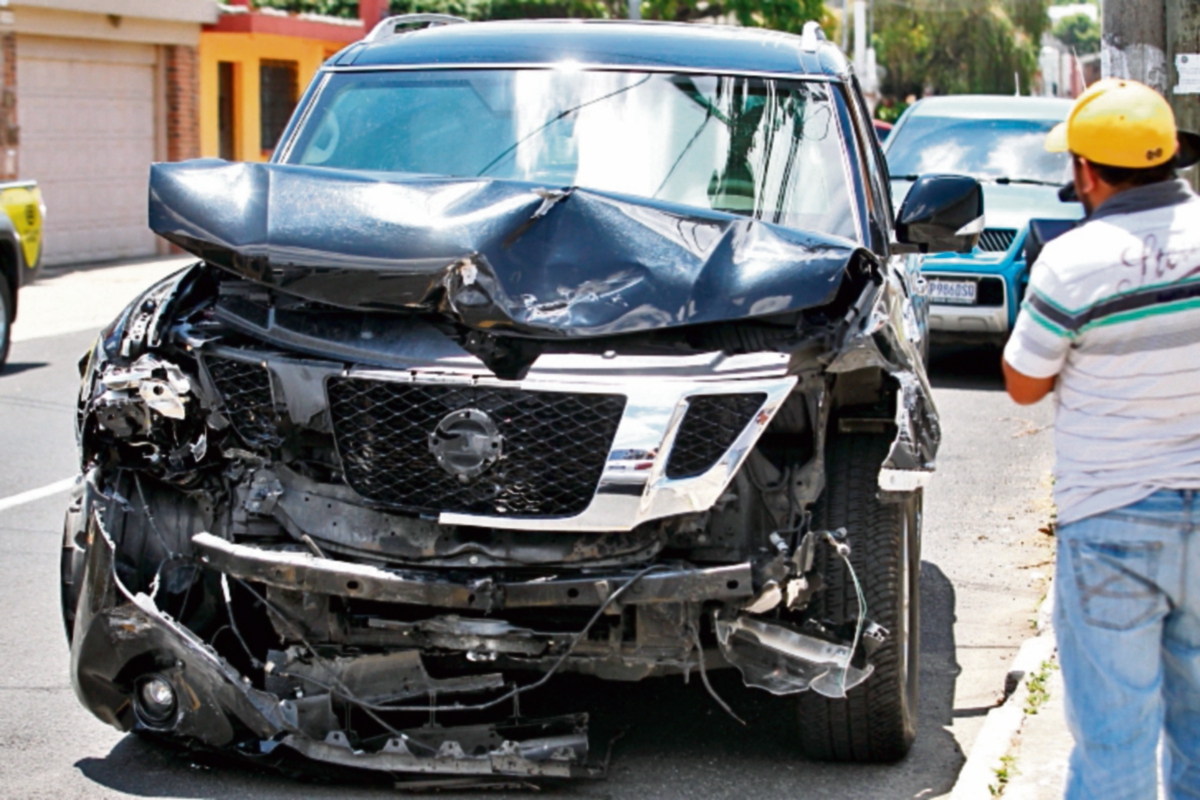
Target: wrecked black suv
{"x":540,"y":347}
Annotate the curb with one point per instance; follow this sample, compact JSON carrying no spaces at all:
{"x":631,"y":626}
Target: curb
{"x":1003,"y":723}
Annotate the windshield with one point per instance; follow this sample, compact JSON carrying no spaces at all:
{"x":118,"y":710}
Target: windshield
{"x":989,"y":149}
{"x":761,"y":148}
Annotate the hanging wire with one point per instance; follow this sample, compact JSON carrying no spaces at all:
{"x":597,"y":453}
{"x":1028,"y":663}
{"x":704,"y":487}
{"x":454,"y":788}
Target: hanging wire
{"x":704,"y":675}
{"x":843,"y":550}
{"x":514,"y":692}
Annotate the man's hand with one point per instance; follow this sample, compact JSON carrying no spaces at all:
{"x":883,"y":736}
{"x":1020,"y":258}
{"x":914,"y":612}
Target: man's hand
{"x":1025,"y":390}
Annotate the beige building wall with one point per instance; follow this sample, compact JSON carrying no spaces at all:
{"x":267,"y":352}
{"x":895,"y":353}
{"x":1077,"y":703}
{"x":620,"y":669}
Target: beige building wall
{"x":103,"y":89}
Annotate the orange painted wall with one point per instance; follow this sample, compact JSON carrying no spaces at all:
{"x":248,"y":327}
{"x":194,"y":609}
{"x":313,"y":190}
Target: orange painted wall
{"x":246,"y":51}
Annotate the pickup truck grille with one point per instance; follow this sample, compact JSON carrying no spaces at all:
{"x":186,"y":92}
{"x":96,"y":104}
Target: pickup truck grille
{"x":555,"y":445}
{"x":996,"y":240}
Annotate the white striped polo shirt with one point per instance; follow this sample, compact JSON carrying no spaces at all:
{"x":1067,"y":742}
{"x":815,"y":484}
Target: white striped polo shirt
{"x":1113,"y":309}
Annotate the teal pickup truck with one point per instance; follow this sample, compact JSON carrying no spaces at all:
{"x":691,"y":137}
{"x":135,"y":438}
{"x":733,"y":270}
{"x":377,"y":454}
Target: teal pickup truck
{"x":20,"y":249}
{"x":974,"y":297}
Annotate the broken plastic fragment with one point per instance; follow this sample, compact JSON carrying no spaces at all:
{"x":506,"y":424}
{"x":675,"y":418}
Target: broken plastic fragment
{"x":161,"y":396}
{"x":767,"y":599}
{"x":783,"y":661}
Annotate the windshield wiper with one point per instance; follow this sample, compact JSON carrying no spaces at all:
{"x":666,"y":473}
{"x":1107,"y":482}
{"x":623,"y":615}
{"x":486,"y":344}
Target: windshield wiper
{"x":1029,"y":181}
{"x":556,"y":118}
{"x":989,"y":179}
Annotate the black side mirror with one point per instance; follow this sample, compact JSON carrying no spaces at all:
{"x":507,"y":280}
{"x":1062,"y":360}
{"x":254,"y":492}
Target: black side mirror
{"x":942,"y":214}
{"x":1042,"y":231}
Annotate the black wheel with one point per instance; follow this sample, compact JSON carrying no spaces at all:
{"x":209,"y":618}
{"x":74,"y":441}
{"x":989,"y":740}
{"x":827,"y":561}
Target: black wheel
{"x":6,"y":319}
{"x":877,"y":721}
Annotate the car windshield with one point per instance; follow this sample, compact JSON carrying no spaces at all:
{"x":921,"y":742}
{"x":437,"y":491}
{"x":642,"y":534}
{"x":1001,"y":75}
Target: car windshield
{"x":767,"y":149}
{"x":989,"y":149}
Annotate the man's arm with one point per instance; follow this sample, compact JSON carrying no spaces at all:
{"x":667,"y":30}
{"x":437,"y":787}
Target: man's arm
{"x":1023,"y":389}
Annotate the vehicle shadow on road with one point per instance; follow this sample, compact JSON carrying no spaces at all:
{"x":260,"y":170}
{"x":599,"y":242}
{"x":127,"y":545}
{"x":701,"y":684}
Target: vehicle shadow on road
{"x":669,"y":739}
{"x":965,"y":367}
{"x":17,"y":367}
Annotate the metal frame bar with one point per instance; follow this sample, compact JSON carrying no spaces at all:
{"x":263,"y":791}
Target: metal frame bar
{"x":300,"y":571}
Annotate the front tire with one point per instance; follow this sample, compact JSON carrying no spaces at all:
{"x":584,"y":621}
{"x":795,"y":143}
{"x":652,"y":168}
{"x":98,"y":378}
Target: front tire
{"x":6,"y":319}
{"x":877,"y":721}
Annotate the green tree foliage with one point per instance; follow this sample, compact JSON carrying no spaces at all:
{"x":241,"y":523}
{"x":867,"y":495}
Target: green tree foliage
{"x":782,"y":15}
{"x":332,"y":8}
{"x":1080,"y":32}
{"x":958,"y":46}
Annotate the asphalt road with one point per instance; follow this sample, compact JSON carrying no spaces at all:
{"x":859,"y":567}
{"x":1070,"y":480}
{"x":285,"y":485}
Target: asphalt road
{"x":983,"y":573}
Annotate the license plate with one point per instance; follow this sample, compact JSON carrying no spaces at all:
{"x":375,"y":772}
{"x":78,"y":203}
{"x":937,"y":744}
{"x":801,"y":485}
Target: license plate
{"x":956,"y":292}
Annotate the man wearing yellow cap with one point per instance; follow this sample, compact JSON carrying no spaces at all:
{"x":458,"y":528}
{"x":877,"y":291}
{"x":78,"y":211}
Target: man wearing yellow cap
{"x":1111,"y":326}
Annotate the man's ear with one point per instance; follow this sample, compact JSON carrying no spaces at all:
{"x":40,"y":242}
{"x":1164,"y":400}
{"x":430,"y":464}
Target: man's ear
{"x":1086,"y":177}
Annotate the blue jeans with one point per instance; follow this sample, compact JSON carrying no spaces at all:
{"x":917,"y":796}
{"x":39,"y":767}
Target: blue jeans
{"x":1127,"y":617}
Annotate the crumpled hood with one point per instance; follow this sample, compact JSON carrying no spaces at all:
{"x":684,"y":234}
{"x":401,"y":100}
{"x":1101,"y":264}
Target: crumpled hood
{"x":492,"y":255}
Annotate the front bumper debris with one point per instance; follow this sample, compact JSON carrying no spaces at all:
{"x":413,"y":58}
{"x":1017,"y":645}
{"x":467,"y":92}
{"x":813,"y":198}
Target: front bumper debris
{"x":299,"y":571}
{"x":122,"y":635}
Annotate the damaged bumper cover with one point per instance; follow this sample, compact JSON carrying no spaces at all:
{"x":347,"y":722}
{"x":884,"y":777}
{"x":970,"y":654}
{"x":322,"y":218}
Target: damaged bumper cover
{"x":122,"y":639}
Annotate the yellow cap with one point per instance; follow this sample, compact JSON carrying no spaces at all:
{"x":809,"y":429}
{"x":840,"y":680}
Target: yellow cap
{"x":1118,"y":123}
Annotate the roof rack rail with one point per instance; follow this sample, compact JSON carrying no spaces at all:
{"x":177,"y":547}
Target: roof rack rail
{"x":812,"y":35}
{"x":387,"y":27}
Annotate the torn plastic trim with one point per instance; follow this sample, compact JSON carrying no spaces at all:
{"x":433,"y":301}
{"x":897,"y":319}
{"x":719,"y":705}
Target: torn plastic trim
{"x":783,"y":661}
{"x":216,"y":706}
{"x":114,"y":626}
{"x":301,"y":571}
{"x":468,"y":751}
{"x":880,"y":338}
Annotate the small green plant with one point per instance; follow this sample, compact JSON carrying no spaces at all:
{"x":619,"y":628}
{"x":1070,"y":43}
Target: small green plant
{"x":1039,"y":692}
{"x":1004,"y":773}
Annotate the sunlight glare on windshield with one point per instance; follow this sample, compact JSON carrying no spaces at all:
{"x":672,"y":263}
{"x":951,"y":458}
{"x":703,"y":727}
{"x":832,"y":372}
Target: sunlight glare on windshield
{"x":750,"y":146}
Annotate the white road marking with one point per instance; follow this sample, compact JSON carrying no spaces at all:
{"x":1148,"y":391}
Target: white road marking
{"x":36,"y":494}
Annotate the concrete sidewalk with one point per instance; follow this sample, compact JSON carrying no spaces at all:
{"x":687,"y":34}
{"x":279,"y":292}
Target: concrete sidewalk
{"x":87,"y":297}
{"x":1027,"y":757}
{"x":1038,"y":759}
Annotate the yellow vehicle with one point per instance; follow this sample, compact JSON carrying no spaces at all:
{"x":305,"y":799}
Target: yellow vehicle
{"x":20,"y":249}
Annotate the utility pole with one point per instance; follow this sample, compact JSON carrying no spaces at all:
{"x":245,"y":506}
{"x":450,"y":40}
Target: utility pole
{"x":1134,"y":41}
{"x":1183,"y":68}
{"x":1157,"y":43}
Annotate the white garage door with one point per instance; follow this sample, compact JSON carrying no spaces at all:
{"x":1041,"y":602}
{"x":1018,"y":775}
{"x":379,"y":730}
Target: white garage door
{"x":87,"y":115}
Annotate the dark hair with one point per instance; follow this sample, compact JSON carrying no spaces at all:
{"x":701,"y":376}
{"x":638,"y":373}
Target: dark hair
{"x":1134,"y":176}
